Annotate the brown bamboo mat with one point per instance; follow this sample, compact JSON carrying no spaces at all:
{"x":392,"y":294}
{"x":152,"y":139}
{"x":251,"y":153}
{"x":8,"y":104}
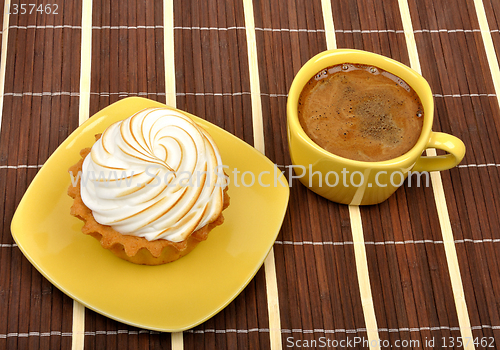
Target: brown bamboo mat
{"x":413,"y":287}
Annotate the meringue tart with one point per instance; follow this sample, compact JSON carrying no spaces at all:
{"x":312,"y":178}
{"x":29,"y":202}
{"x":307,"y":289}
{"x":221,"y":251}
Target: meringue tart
{"x":151,"y":187}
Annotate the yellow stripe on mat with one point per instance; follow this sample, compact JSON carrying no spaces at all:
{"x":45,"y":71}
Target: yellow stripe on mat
{"x":488,"y":46}
{"x":177,"y":338}
{"x":442,"y":208}
{"x":78,"y":331}
{"x":168,"y":52}
{"x":85,"y":61}
{"x":355,"y":217}
{"x":258,"y":139}
{"x":3,"y":60}
{"x":331,"y":41}
{"x":253,"y":65}
{"x":78,"y":328}
{"x":365,"y":289}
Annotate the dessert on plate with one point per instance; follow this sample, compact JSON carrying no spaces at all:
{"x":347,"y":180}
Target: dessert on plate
{"x":151,"y":187}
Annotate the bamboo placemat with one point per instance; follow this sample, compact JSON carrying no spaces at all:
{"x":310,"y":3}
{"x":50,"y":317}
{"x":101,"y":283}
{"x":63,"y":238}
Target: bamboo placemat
{"x":424,"y":265}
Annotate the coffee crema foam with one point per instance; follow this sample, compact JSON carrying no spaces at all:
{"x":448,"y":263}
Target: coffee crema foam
{"x":361,"y":112}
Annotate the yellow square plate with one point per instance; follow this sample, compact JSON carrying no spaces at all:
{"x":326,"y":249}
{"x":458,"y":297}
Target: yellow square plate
{"x":170,"y":297}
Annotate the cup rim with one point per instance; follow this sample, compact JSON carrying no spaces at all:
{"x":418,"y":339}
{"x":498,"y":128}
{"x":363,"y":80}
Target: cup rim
{"x":338,"y":56}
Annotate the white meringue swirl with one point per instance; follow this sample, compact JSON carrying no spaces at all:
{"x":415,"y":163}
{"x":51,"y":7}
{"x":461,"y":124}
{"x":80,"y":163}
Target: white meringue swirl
{"x":156,"y":174}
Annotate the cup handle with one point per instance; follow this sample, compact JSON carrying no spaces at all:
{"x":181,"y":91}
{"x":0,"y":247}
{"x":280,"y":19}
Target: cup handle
{"x":451,"y":144}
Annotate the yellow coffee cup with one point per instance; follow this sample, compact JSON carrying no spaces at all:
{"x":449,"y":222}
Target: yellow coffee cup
{"x":356,"y":182}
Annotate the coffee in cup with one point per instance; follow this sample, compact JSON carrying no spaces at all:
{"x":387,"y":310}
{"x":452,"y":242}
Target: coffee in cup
{"x":344,"y":178}
{"x":361,"y":112}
